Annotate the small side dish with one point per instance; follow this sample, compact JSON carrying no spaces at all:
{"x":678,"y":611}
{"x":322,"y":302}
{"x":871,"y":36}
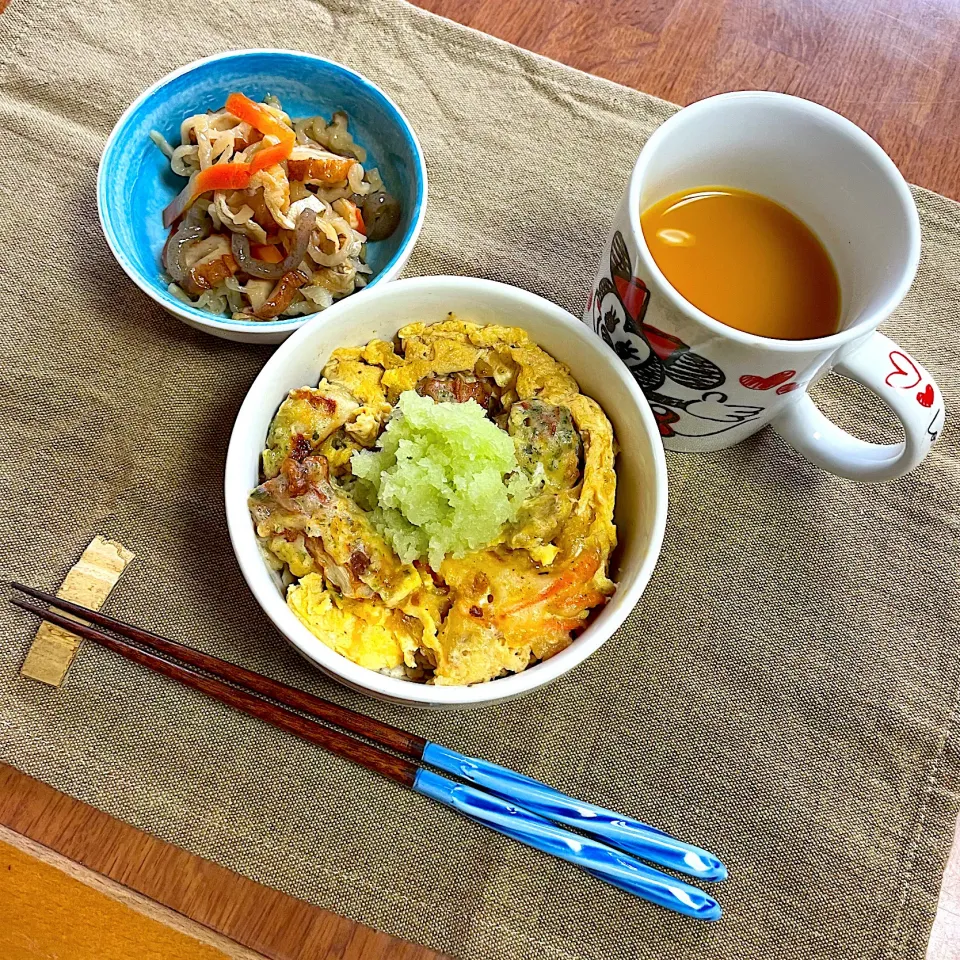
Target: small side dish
{"x":276,"y":215}
{"x":440,"y":507}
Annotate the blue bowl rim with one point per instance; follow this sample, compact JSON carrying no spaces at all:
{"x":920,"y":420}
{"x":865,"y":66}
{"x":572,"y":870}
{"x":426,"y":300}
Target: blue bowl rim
{"x":202,"y":317}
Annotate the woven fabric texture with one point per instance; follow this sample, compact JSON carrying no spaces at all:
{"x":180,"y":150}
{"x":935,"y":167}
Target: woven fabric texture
{"x":783,"y":695}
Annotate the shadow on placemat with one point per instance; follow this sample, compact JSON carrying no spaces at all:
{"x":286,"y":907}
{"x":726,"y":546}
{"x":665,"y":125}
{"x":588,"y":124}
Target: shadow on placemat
{"x":784,"y":694}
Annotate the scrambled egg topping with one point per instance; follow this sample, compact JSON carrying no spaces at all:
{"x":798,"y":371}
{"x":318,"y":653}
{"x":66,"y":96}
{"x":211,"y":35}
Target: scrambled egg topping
{"x":492,"y":612}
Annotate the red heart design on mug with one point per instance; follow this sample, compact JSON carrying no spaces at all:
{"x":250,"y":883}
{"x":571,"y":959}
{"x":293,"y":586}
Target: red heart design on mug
{"x":788,"y":387}
{"x":664,"y":418}
{"x":904,"y":369}
{"x":925,"y":397}
{"x":752,"y":382}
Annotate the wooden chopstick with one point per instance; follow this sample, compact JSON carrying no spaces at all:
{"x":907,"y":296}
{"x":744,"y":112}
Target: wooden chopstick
{"x":503,"y":800}
{"x":408,"y":744}
{"x":373,"y":758}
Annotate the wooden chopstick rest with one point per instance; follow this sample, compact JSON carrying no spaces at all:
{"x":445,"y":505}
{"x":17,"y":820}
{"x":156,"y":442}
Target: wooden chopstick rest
{"x":88,"y":583}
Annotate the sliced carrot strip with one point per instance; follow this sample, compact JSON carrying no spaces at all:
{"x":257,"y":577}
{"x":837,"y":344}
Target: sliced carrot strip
{"x":580,"y":571}
{"x":267,"y":252}
{"x":580,"y":601}
{"x":268,"y":156}
{"x":236,"y":176}
{"x":222,"y":176}
{"x":243,"y":108}
{"x":356,"y":216}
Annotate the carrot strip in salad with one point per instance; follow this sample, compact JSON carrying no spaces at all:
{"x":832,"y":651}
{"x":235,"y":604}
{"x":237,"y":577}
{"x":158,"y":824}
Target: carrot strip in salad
{"x":355,"y":218}
{"x":236,"y":176}
{"x":243,"y":108}
{"x":268,"y":252}
{"x":221,"y":176}
{"x":268,"y":156}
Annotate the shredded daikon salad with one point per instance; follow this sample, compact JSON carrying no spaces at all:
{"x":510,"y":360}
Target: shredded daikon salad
{"x":276,"y":215}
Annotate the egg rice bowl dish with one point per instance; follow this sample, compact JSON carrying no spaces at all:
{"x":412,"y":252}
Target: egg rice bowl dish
{"x":440,"y":507}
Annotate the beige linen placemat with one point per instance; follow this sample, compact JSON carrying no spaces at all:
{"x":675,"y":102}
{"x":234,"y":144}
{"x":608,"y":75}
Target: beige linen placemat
{"x":784,"y":694}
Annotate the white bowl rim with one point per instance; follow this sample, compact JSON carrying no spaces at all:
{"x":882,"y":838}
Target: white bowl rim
{"x":271,"y":601}
{"x":270,"y":327}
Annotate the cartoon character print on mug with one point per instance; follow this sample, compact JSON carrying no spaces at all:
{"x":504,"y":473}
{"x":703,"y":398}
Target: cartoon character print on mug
{"x":688,"y":392}
{"x":692,"y":397}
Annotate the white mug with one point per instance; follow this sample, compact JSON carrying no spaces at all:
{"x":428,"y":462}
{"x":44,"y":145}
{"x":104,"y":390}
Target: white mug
{"x":710,"y":385}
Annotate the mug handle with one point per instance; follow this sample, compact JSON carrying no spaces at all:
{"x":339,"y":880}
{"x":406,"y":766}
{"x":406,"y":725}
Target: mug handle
{"x":902,"y":384}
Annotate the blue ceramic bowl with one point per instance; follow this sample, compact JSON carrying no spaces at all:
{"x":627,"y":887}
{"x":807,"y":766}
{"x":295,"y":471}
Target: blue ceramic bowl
{"x":135,"y":183}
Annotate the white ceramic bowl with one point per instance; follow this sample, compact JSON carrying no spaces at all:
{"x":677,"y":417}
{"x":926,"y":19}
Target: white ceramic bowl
{"x":641,"y":507}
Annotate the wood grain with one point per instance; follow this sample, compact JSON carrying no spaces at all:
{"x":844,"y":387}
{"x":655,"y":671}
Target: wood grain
{"x":892,"y":66}
{"x":261,"y":919}
{"x":373,"y":758}
{"x":408,"y":744}
{"x":51,"y":907}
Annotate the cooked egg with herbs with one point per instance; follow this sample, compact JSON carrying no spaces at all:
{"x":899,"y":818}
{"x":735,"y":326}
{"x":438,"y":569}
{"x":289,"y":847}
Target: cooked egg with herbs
{"x":440,"y":508}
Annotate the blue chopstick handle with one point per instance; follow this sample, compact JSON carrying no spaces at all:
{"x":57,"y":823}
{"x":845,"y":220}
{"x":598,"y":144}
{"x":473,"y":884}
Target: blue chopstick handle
{"x":601,"y":861}
{"x":619,"y":831}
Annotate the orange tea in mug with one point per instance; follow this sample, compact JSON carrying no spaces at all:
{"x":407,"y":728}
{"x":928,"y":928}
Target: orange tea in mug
{"x":745,"y":261}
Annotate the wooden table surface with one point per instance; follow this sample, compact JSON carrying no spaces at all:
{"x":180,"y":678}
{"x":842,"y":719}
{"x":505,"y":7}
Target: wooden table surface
{"x":892,"y":66}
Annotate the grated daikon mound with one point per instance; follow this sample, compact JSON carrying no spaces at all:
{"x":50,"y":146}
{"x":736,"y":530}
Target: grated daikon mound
{"x":444,"y":480}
